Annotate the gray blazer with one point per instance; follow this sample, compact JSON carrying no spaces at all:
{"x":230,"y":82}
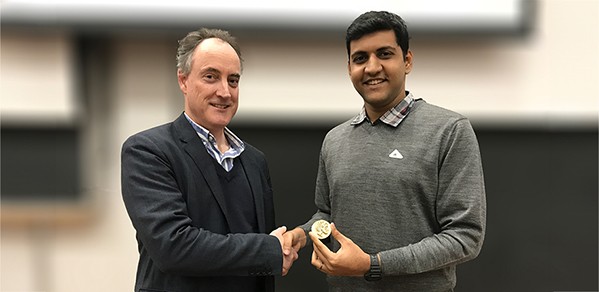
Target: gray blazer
{"x":173,"y":196}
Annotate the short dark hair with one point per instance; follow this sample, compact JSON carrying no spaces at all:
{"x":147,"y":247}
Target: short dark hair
{"x":374,"y":21}
{"x":188,"y":44}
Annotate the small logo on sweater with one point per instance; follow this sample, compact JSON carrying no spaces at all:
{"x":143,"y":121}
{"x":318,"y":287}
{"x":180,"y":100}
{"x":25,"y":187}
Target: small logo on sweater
{"x":396,"y":154}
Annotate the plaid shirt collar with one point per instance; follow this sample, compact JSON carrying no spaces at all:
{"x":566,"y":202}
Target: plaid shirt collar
{"x":237,"y":146}
{"x":392,"y":117}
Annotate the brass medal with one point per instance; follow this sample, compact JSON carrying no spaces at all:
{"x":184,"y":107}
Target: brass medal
{"x":321,"y":228}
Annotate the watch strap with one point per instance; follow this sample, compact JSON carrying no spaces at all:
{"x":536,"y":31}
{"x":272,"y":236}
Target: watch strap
{"x":375,"y":273}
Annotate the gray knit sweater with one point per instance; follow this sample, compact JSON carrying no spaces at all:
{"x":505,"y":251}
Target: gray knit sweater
{"x":424,"y":212}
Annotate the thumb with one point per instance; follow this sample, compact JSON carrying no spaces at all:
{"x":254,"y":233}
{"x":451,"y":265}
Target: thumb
{"x":338,"y":235}
{"x":279,"y":231}
{"x":287,"y":243}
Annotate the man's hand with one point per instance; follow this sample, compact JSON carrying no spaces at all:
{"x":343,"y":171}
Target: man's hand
{"x":294,"y":240}
{"x":349,"y":260}
{"x":289,"y":255}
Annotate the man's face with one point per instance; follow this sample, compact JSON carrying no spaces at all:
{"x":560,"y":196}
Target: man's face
{"x":211,"y":87}
{"x":378,"y":71}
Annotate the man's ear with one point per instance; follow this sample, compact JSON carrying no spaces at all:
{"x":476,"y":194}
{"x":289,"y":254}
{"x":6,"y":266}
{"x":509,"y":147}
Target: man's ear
{"x":409,"y":62}
{"x":182,"y":79}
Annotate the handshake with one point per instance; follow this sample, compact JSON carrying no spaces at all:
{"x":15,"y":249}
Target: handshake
{"x":349,"y":260}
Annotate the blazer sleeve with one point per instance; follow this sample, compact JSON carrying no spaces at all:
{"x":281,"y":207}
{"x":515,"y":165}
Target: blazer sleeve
{"x":158,"y":211}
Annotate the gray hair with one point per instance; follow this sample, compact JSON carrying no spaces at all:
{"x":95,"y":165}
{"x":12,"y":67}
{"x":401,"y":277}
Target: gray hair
{"x":188,"y":44}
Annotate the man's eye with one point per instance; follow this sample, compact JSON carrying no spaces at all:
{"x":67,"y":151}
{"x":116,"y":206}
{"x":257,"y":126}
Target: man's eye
{"x":233,"y":82}
{"x":359,"y":59}
{"x":385,"y":54}
{"x":210,"y":77}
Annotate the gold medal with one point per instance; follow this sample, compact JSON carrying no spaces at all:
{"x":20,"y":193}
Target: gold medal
{"x":321,"y":228}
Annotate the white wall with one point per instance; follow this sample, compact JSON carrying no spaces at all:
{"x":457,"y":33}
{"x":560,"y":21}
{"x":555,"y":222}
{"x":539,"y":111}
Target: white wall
{"x":554,"y":73}
{"x":551,"y":74}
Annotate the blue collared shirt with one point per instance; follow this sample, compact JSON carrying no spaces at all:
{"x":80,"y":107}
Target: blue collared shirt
{"x":224,"y":159}
{"x":392,"y":117}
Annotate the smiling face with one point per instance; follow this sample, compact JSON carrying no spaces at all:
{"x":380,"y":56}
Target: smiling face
{"x":211,"y":88}
{"x":378,"y":69}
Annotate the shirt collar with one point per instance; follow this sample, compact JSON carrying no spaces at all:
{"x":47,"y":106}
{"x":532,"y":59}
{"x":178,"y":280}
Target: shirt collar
{"x":393,"y":116}
{"x":236,"y":144}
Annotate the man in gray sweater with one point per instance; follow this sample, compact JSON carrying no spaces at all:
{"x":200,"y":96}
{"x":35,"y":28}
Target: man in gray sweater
{"x":402,"y":181}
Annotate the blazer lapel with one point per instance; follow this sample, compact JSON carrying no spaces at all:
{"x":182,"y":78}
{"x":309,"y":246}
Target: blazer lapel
{"x":192,"y":144}
{"x":254,"y":180}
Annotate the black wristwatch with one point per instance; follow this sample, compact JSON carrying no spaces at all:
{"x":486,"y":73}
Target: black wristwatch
{"x":375,"y":273}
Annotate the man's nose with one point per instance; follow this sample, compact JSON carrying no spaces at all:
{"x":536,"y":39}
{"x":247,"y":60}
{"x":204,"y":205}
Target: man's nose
{"x":223,"y":89}
{"x":373,"y":65}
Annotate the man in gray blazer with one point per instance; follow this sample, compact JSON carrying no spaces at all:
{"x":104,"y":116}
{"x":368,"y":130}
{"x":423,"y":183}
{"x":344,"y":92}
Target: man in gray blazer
{"x":199,"y":198}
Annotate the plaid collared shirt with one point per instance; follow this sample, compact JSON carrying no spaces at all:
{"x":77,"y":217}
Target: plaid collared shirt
{"x":224,"y":159}
{"x":392,"y":117}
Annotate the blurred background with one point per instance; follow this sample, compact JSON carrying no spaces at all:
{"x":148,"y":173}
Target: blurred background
{"x":79,"y":77}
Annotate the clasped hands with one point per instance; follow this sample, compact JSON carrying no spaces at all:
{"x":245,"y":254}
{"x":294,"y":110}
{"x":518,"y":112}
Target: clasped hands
{"x":349,"y":260}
